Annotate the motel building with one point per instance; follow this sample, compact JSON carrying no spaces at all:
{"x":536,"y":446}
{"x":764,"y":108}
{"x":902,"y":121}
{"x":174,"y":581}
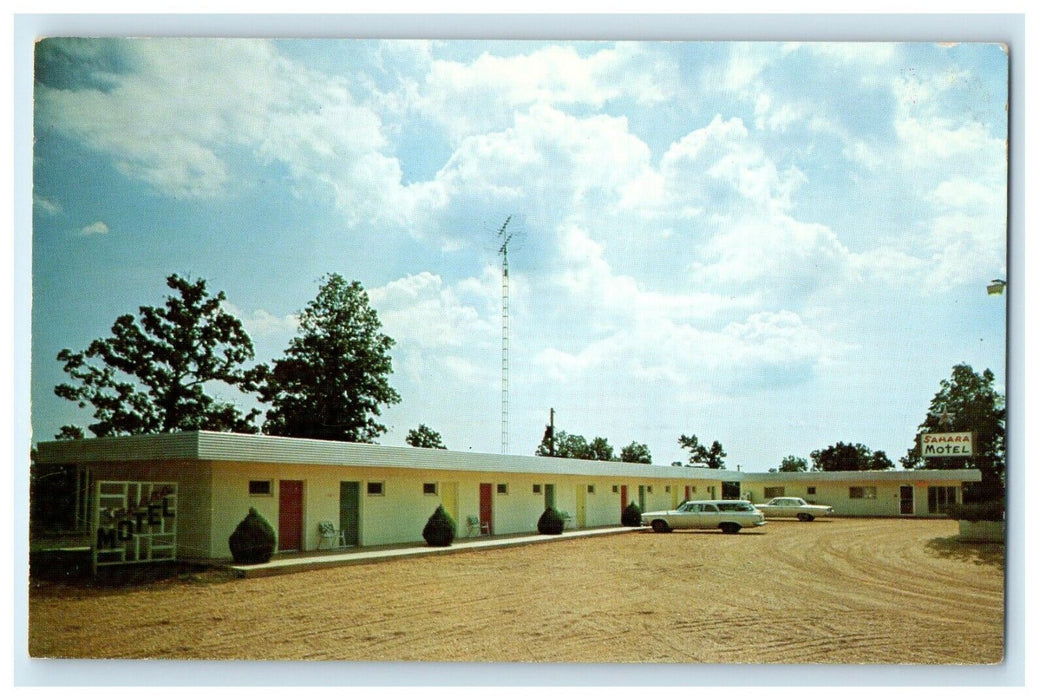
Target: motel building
{"x":180,"y":495}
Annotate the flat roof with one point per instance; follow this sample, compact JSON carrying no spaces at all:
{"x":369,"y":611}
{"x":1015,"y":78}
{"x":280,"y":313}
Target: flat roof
{"x":241,"y":447}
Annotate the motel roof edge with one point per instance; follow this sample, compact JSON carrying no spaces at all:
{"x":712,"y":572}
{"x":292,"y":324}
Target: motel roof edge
{"x":241,"y":447}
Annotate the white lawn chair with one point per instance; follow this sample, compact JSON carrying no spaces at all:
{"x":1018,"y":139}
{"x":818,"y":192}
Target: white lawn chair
{"x":330,"y":535}
{"x":473,"y":527}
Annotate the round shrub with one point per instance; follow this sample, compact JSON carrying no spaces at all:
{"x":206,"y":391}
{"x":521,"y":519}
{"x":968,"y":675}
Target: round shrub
{"x":440,"y":529}
{"x":631,"y":516}
{"x":551,"y":522}
{"x":253,"y":541}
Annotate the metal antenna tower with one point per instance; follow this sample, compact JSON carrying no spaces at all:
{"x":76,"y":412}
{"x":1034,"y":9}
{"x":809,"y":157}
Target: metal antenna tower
{"x":505,"y":236}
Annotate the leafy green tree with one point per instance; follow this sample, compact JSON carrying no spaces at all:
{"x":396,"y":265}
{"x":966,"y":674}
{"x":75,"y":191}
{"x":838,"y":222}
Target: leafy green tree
{"x":424,"y":436}
{"x":636,"y":453}
{"x":968,"y":402}
{"x":574,"y":447}
{"x":601,"y":449}
{"x":880,"y":462}
{"x":793,"y":464}
{"x":847,"y":457}
{"x":151,"y":374}
{"x":333,"y":378}
{"x":712,"y":457}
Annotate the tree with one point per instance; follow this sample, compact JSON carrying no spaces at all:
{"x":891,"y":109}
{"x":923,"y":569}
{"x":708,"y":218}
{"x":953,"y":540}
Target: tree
{"x":424,"y":436}
{"x":149,"y":376}
{"x":636,"y":453}
{"x":968,"y":402}
{"x":793,"y":464}
{"x":712,"y":458}
{"x":575,"y":447}
{"x":333,"y":378}
{"x":845,"y":457}
{"x":600,"y":449}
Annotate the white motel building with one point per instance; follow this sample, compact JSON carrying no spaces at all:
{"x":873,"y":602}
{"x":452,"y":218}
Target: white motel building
{"x":378,"y":495}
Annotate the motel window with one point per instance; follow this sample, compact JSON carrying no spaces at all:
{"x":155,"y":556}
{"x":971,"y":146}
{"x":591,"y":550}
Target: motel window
{"x":862,"y":492}
{"x":260,"y":487}
{"x":537,"y":488}
{"x":668,"y":489}
{"x":811,"y":490}
{"x":502,"y":488}
{"x":773,"y":491}
{"x":375,"y":488}
{"x":429,"y":489}
{"x":591,"y":488}
{"x":940,"y":497}
{"x":649,"y":489}
{"x":615,"y":488}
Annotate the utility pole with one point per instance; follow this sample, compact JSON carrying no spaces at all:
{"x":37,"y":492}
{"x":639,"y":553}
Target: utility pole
{"x":550,"y":432}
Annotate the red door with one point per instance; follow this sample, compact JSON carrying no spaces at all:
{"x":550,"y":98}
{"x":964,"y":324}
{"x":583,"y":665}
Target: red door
{"x":624,"y":498}
{"x":687,"y":497}
{"x":486,"y":507}
{"x":291,"y":512}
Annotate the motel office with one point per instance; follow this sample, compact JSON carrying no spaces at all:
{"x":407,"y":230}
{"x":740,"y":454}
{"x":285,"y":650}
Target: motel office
{"x":384,"y":495}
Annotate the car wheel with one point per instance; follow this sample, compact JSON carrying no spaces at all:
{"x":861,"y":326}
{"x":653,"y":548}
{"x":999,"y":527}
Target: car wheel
{"x":805,"y":517}
{"x":660,"y":526}
{"x":730,"y":528}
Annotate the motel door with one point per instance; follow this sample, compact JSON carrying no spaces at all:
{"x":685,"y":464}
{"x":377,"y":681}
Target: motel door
{"x":448,"y":493}
{"x":582,"y":498}
{"x":349,"y":512}
{"x":907,"y":500}
{"x":486,"y":506}
{"x":550,"y":495}
{"x":624,"y":498}
{"x":291,"y":515}
{"x":642,"y":498}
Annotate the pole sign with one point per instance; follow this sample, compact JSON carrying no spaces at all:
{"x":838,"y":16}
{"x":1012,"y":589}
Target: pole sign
{"x":134,"y":522}
{"x":947,"y":445}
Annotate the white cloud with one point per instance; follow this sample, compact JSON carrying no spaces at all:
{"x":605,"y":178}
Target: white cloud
{"x":98,"y":228}
{"x":263,"y":325}
{"x":475,"y":97}
{"x":43,"y":205}
{"x":774,"y":256}
{"x":721,"y":171}
{"x":419,"y":310}
{"x":191,"y":106}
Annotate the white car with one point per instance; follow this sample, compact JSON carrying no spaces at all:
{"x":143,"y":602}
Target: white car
{"x":788,"y":507}
{"x":728,"y":516}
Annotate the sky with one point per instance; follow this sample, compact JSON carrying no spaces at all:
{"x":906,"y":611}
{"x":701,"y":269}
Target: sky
{"x":775,"y":245}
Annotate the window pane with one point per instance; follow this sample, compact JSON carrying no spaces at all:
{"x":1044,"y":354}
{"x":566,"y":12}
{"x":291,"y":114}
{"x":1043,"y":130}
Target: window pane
{"x":260,"y":488}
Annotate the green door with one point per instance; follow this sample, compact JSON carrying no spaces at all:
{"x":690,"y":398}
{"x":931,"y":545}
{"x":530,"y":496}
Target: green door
{"x":550,"y":495}
{"x":349,"y":507}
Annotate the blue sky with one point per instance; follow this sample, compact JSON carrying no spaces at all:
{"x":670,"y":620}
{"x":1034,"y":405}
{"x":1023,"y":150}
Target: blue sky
{"x":774,"y":245}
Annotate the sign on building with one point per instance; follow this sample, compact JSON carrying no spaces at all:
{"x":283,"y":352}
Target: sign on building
{"x":947,"y":445}
{"x":134,"y":522}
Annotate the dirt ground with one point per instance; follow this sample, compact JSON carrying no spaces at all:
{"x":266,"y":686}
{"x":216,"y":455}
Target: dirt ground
{"x":835,"y":591}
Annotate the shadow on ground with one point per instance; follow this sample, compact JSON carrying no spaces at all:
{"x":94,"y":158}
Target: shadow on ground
{"x":980,"y":553}
{"x":61,"y":568}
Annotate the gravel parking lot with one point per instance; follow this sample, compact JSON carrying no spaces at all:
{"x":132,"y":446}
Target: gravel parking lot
{"x":833,"y":591}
